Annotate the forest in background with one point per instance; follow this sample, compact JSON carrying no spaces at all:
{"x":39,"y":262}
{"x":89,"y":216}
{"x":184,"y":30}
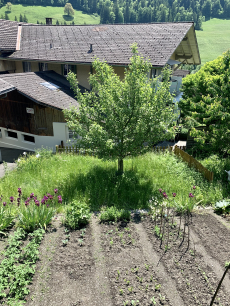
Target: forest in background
{"x":142,"y":11}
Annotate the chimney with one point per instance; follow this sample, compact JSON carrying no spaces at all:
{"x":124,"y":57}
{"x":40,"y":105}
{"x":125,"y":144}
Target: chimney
{"x":90,"y":48}
{"x":48,"y":21}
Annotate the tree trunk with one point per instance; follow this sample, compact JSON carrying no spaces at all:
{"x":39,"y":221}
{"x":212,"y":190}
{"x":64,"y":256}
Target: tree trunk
{"x":120,"y":166}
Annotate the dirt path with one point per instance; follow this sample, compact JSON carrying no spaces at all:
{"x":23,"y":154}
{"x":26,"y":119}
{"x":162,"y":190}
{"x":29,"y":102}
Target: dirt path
{"x":117,"y":264}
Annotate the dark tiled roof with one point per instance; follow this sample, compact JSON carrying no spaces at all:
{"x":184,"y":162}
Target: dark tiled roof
{"x":5,"y":87}
{"x":181,"y":73}
{"x":29,"y":84}
{"x":8,"y":35}
{"x":156,"y":41}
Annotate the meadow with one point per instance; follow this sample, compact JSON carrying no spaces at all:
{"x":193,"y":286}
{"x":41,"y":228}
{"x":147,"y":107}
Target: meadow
{"x":214,"y":39}
{"x":96,"y":181}
{"x":39,"y":13}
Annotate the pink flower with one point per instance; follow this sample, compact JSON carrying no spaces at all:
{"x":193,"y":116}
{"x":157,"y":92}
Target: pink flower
{"x":31,"y":195}
{"x":55,"y":190}
{"x":26,"y":203}
{"x":174,"y":194}
{"x":194,"y":187}
{"x":160,"y":190}
{"x":37,"y":203}
{"x":43,"y":201}
{"x":19,"y":190}
{"x":11,"y":199}
{"x":191,"y":195}
{"x":59,"y":199}
{"x":4,"y":203}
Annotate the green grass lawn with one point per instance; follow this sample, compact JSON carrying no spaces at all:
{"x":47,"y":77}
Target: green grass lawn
{"x":95,"y":181}
{"x":214,"y":39}
{"x":34,"y":13}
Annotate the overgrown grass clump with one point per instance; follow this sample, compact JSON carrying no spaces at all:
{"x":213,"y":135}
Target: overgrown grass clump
{"x":95,"y":181}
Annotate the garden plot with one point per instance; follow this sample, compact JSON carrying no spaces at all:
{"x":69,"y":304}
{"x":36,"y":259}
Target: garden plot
{"x":126,"y":263}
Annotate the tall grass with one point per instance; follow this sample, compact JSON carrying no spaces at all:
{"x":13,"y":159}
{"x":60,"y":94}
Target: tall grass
{"x":95,"y":180}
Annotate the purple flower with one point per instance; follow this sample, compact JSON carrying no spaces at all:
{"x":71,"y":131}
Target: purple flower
{"x":165,"y":195}
{"x":45,"y":198}
{"x":37,"y":203}
{"x":43,"y":201}
{"x":18,"y":199}
{"x":191,"y":195}
{"x":26,"y":203}
{"x":35,"y":198}
{"x":11,"y":199}
{"x":48,"y":195}
{"x":194,"y":187}
{"x":160,"y":190}
{"x":55,"y":190}
{"x":47,"y":205}
{"x":59,"y":199}
{"x":51,"y":197}
{"x":19,"y":190}
{"x":31,"y":195}
{"x":174,"y":194}
{"x":4,"y":203}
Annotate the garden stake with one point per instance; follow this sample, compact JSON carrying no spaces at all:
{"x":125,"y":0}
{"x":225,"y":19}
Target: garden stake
{"x":173,"y":217}
{"x":161,"y":218}
{"x":188,"y":230}
{"x":184,"y":226}
{"x":227,"y":265}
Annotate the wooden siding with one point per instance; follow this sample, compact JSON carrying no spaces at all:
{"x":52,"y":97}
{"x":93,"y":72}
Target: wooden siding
{"x":14,"y":116}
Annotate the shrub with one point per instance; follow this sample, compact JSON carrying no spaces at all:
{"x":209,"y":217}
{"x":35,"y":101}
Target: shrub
{"x":114,"y":214}
{"x":77,"y":214}
{"x":222,"y":207}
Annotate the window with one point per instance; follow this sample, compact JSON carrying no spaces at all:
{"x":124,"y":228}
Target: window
{"x":26,"y":66}
{"x":153,"y":73}
{"x":12,"y":134}
{"x":43,"y":66}
{"x":29,"y":138}
{"x":67,"y":68}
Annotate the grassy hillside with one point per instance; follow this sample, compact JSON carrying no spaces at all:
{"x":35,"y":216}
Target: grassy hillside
{"x":214,"y":39}
{"x":34,"y":13}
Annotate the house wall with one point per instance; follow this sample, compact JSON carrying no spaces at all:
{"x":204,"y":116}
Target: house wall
{"x":14,"y":115}
{"x":60,"y":134}
{"x":19,"y":67}
{"x":120,"y":71}
{"x":7,"y":66}
{"x":83,"y":72}
{"x":55,"y":67}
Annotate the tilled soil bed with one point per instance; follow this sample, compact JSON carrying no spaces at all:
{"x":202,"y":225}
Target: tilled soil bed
{"x":126,"y":263}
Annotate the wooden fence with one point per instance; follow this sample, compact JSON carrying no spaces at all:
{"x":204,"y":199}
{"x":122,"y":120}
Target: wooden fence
{"x":192,"y":162}
{"x":178,"y":151}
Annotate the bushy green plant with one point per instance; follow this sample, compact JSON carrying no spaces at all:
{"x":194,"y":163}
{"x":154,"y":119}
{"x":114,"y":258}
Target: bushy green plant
{"x":77,"y":214}
{"x":33,"y":216}
{"x":114,"y":214}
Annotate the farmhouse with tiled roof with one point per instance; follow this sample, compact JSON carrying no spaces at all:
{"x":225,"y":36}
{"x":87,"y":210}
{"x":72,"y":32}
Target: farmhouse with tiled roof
{"x":34,"y":60}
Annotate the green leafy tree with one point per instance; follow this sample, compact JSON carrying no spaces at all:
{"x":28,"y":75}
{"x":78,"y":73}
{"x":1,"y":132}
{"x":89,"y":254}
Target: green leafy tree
{"x":120,"y":118}
{"x":206,"y":96}
{"x":69,"y":9}
{"x":25,"y":19}
{"x":15,"y":18}
{"x":9,"y":6}
{"x":21,"y":18}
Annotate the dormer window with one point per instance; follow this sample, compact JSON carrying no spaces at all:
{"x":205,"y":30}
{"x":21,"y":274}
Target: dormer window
{"x":26,"y":66}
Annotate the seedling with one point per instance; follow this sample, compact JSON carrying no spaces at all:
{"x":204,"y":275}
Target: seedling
{"x":146,"y":287}
{"x":64,"y":242}
{"x":111,"y":242}
{"x":153,"y":300}
{"x":118,"y":273}
{"x":162,"y":297}
{"x":80,"y":242}
{"x":130,"y":289}
{"x":147,"y":267}
{"x":134,"y":302}
{"x":157,"y":287}
{"x":151,"y":278}
{"x":125,"y":303}
{"x":121,"y":292}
